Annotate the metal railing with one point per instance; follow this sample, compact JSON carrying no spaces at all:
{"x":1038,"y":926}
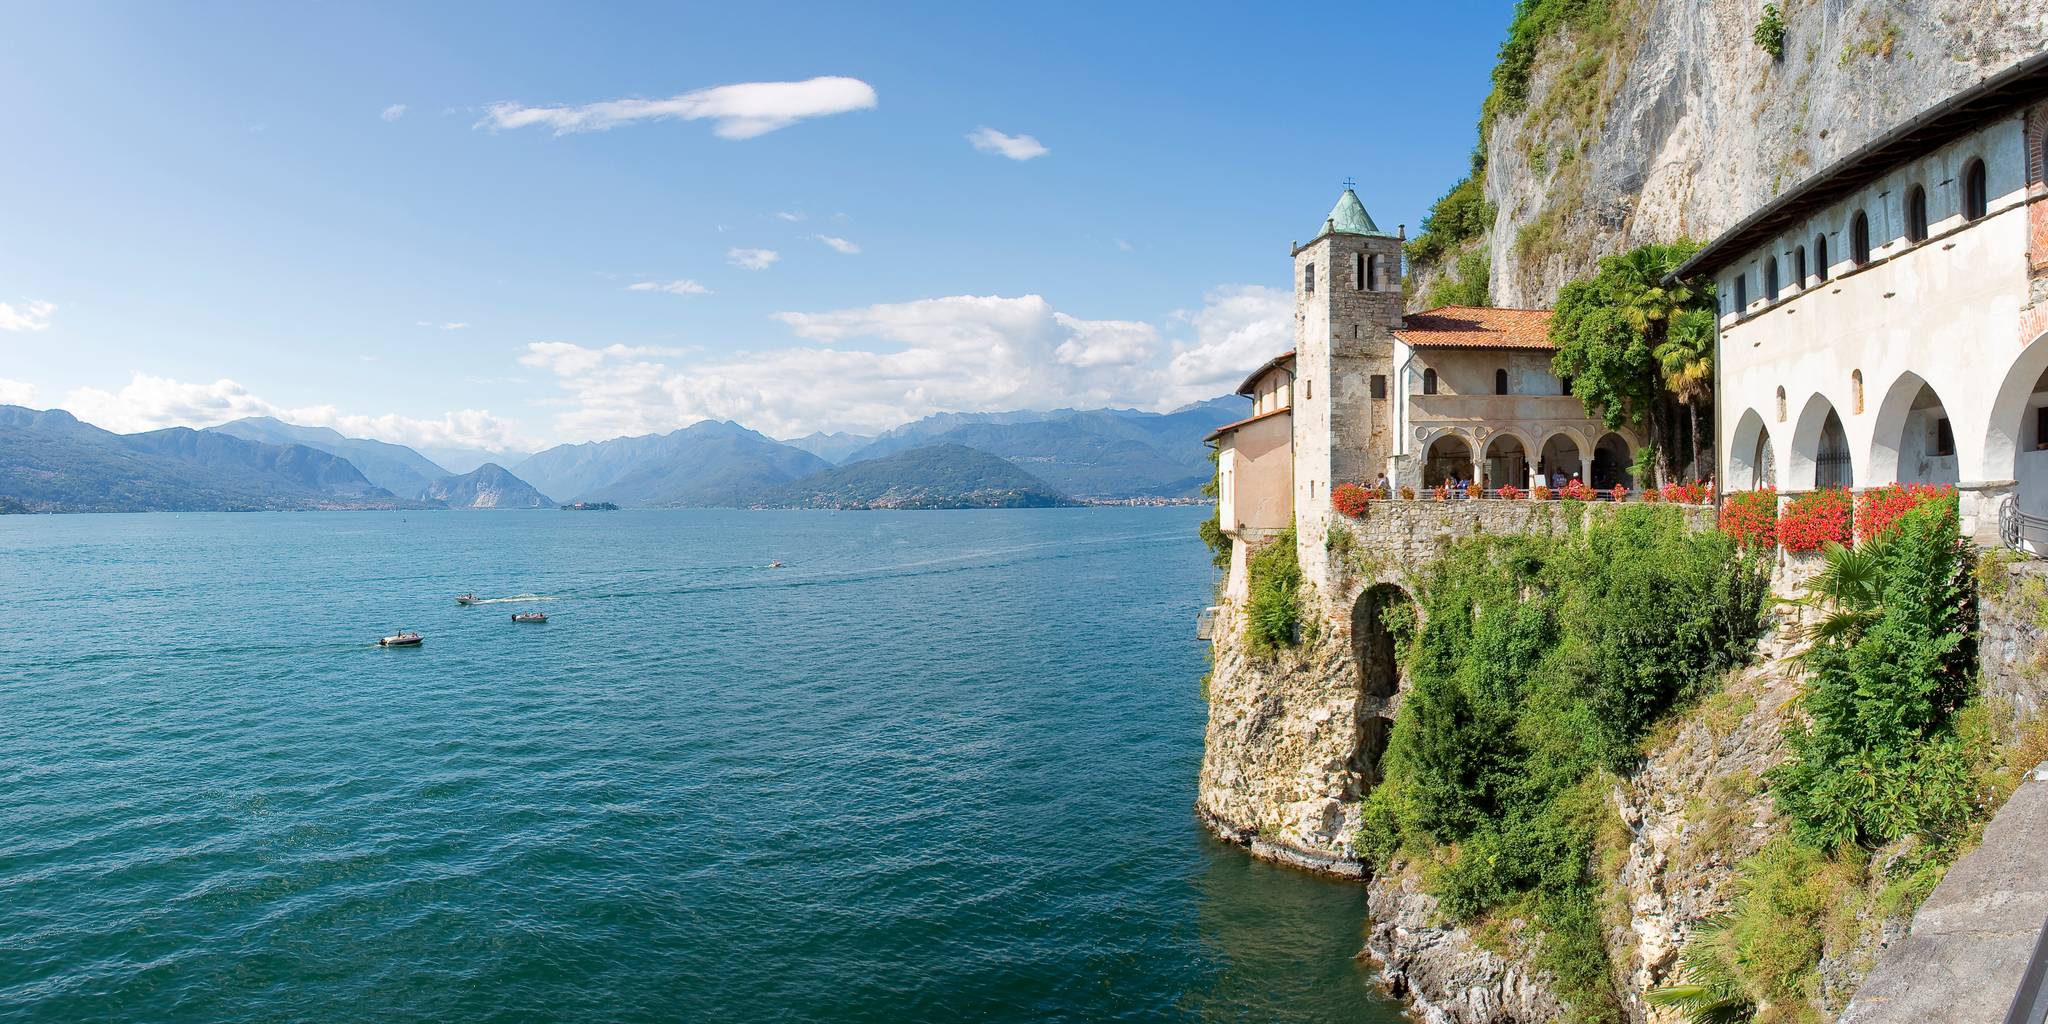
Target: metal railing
{"x":2016,"y":529}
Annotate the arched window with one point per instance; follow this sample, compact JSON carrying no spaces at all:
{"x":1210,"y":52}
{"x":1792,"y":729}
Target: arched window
{"x":1372,"y":273}
{"x":1771,"y":278}
{"x":1741,"y":293}
{"x":1856,"y":392}
{"x":1500,"y":382}
{"x":1429,"y":382}
{"x":1859,"y":238}
{"x":1975,"y":199}
{"x":1781,"y":403}
{"x":1799,"y":265}
{"x":1820,"y":256}
{"x":1916,"y":214}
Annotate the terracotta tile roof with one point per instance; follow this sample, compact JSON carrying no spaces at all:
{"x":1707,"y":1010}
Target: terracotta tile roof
{"x":1252,"y":381}
{"x":1228,"y":427}
{"x":1477,"y":327}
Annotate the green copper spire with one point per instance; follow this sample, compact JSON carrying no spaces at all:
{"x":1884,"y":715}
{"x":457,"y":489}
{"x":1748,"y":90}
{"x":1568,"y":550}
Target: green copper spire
{"x":1348,"y":217}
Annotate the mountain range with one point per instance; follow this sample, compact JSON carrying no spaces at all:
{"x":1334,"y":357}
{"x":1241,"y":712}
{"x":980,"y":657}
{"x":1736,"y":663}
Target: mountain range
{"x":50,"y":461}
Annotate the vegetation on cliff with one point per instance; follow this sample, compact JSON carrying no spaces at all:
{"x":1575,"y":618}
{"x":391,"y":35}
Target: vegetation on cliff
{"x":1639,"y":351}
{"x":1895,"y":765}
{"x":1538,"y":668}
{"x":1273,"y":615}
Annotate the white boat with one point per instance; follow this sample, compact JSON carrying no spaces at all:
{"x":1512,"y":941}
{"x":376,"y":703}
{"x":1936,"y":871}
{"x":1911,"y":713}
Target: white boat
{"x":405,"y":639}
{"x":775,"y":565}
{"x":465,"y":599}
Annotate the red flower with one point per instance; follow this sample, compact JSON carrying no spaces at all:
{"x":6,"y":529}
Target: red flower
{"x":1511,"y":492}
{"x":1815,"y":518}
{"x":1879,"y":509}
{"x":1620,"y":493}
{"x":1541,"y":493}
{"x":1751,"y":517}
{"x":1578,"y":491}
{"x":1350,"y":499}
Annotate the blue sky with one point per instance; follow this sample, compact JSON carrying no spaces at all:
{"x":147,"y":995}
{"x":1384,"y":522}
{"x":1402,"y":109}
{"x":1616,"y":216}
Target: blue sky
{"x":377,"y":217}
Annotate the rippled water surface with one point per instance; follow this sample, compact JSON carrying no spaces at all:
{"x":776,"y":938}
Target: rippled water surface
{"x":939,"y":767}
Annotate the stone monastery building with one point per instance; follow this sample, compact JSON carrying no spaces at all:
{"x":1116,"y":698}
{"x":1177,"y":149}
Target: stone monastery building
{"x":1454,"y":393}
{"x":1884,"y":320}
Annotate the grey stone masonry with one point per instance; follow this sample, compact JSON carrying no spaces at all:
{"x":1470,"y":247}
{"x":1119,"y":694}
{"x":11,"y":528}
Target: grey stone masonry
{"x":1972,"y":938}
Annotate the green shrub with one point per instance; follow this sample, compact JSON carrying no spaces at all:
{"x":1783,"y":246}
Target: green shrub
{"x":1468,"y":286}
{"x":1770,"y":32}
{"x":1879,"y":759}
{"x":1273,"y":615}
{"x":1539,"y":663}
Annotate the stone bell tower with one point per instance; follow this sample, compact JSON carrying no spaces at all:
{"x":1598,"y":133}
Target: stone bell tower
{"x":1347,"y":304}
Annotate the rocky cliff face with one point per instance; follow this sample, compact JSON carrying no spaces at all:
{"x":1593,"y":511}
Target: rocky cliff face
{"x":1666,"y":119}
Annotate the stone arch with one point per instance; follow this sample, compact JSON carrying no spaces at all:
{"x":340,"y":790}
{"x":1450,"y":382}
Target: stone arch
{"x":1752,"y":460}
{"x":1820,"y":448}
{"x":1448,"y":457}
{"x":1375,"y":652}
{"x":1912,"y":440}
{"x":1507,"y":460}
{"x":2016,"y":441}
{"x":1613,"y":462}
{"x":1563,"y":458}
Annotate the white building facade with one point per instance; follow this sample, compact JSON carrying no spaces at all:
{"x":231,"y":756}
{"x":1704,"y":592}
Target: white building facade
{"x":1883,"y":322}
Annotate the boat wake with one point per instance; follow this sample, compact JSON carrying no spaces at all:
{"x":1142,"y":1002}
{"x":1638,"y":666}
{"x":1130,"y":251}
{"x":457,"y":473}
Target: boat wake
{"x":516,"y":599}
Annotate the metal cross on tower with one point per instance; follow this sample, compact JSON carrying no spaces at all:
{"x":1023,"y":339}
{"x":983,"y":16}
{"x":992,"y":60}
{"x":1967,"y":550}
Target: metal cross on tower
{"x":1349,"y":185}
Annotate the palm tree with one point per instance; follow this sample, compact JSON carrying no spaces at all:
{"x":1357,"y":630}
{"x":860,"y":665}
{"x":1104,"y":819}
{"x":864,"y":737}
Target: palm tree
{"x":1686,"y":357}
{"x":1711,"y":993}
{"x":1848,"y":592}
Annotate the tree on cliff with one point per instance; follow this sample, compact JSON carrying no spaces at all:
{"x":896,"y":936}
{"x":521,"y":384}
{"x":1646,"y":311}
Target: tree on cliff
{"x":1637,"y":350}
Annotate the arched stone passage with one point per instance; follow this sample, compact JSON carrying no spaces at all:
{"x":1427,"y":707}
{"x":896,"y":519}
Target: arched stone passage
{"x":1507,"y":462}
{"x":1751,"y":462}
{"x":1820,"y":449}
{"x":1383,"y":613}
{"x":2016,"y":430}
{"x":1913,"y":441}
{"x":1564,"y":453}
{"x":1613,"y":463}
{"x":2016,"y":444}
{"x":1450,"y":458}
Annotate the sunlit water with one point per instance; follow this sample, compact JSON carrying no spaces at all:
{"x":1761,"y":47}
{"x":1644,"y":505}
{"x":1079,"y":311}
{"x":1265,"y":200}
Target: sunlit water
{"x":939,"y":767}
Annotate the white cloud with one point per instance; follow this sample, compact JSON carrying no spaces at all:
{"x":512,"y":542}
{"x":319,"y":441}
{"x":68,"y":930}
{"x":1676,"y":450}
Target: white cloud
{"x":680,"y":286}
{"x":839,"y":244}
{"x":566,"y":359}
{"x":448,"y":325}
{"x":1016,"y":147}
{"x":1105,"y":342}
{"x":150,"y":403}
{"x":1125,"y":246}
{"x":17,"y":392}
{"x":30,"y":316}
{"x":740,"y":111}
{"x":875,"y":367}
{"x":1237,"y":328}
{"x":789,"y":215}
{"x":752,"y":259}
{"x":393,"y":112}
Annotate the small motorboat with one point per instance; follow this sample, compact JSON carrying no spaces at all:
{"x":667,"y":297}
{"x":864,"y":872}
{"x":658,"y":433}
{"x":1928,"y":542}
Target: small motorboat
{"x":775,"y":565}
{"x":529,"y":616}
{"x":466,"y":599}
{"x":405,"y":639}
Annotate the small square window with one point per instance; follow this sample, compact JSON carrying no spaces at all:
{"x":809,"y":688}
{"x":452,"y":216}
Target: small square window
{"x":1379,"y":387}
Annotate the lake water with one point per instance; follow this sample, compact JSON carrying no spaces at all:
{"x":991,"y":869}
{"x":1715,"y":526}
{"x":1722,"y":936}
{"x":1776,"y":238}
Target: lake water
{"x":939,"y":767}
